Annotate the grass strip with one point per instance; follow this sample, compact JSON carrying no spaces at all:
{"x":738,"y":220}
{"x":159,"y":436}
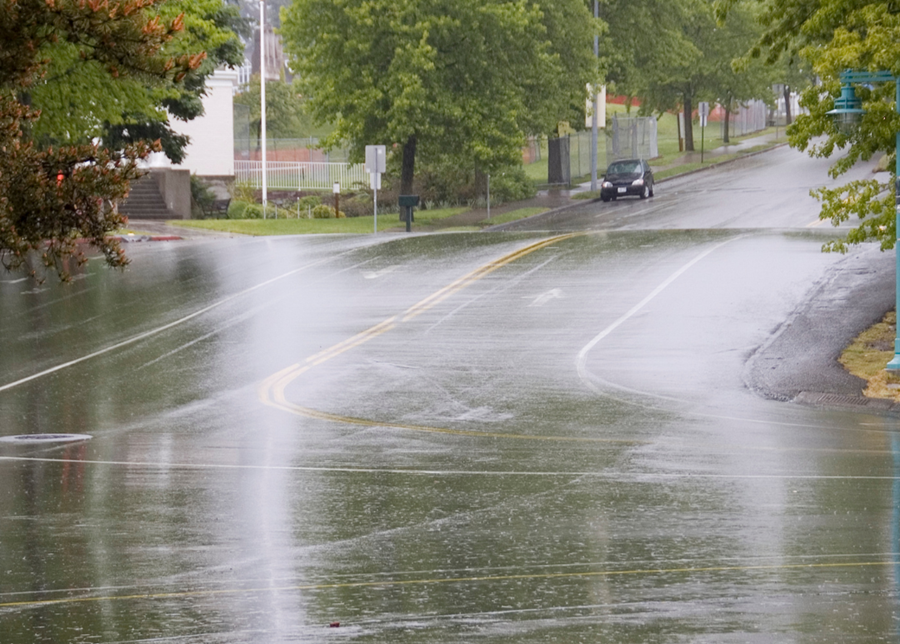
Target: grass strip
{"x":350,"y":225}
{"x":868,"y":354}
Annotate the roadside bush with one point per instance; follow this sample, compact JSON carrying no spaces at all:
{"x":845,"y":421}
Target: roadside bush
{"x":243,"y":191}
{"x":511,"y":184}
{"x":253,"y":211}
{"x":323,"y":212}
{"x":202,"y":198}
{"x":236,"y":209}
{"x":310,"y":201}
{"x":358,"y":206}
{"x":447,"y":182}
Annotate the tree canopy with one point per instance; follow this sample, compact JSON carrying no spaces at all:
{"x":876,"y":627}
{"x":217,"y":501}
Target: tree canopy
{"x":442,"y":77}
{"x":684,"y":56}
{"x":833,"y":36}
{"x":52,"y":196}
{"x":286,"y":116}
{"x":133,"y":108}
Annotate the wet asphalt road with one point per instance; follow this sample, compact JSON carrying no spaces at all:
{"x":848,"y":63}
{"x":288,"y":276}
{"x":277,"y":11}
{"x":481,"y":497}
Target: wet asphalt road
{"x":557,"y":434}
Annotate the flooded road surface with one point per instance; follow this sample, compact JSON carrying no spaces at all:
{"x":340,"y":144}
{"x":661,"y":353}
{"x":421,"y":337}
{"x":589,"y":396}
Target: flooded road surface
{"x":500,"y":437}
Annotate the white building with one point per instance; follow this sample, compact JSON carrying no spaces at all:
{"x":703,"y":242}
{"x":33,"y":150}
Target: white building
{"x":210,"y":152}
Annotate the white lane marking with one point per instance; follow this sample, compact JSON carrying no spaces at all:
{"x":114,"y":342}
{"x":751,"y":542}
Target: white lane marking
{"x":544,"y":298}
{"x":623,"y":477}
{"x":165,"y":327}
{"x":372,"y":275}
{"x":581,"y":359}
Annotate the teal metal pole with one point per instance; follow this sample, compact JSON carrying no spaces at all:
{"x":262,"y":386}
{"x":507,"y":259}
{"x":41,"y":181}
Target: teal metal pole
{"x":894,"y":365}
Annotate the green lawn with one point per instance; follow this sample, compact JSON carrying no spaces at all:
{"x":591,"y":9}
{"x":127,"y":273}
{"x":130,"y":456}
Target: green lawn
{"x":351,"y":225}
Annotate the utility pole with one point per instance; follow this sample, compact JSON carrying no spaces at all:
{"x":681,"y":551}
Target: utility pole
{"x":594,"y":124}
{"x":262,"y":97}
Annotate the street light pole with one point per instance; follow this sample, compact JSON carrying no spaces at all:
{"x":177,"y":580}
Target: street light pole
{"x":894,"y":364}
{"x":848,"y":111}
{"x":594,"y":123}
{"x":262,"y":97}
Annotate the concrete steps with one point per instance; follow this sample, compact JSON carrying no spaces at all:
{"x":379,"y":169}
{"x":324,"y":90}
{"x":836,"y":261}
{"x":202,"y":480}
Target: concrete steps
{"x":144,"y":201}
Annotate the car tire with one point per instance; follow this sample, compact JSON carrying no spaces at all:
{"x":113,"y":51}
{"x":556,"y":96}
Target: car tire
{"x":645,"y":192}
{"x":651,"y":190}
{"x":604,"y":197}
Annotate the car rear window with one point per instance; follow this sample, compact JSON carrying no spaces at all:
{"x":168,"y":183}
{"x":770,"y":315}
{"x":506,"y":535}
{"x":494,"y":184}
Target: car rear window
{"x":624,"y":167}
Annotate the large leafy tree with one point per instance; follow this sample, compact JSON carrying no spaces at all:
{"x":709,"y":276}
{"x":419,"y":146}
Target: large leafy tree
{"x":701,"y":63}
{"x":834,"y":35}
{"x":50,"y":197}
{"x":81,"y":101}
{"x":468,"y":78}
{"x":286,"y":117}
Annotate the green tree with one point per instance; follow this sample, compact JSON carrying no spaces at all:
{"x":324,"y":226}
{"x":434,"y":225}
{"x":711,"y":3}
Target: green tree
{"x":703,"y":68}
{"x":469,"y":78}
{"x":286,"y":117}
{"x":50,"y":197}
{"x":80,"y":101}
{"x":831,"y":37}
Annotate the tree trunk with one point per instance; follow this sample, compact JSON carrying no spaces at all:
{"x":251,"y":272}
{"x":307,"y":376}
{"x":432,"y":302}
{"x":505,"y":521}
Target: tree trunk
{"x":408,"y":166}
{"x":787,"y":104}
{"x":726,"y":136}
{"x":688,"y":125}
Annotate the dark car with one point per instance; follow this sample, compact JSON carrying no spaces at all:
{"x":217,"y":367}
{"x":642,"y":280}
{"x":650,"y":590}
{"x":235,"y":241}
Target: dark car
{"x":627,"y":177}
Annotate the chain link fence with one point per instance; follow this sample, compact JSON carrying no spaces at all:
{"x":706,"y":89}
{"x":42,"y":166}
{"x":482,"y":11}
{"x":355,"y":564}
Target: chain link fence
{"x":632,"y":138}
{"x":750,"y":117}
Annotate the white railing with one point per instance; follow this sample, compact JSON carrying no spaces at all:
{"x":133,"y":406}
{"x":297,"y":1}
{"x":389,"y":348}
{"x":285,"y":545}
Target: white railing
{"x":285,"y":175}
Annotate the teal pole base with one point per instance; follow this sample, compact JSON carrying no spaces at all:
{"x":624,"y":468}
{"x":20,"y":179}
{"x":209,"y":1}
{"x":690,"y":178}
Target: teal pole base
{"x":894,"y":365}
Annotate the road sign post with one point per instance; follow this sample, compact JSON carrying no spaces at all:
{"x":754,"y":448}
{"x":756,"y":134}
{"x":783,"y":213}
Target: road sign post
{"x":703,"y":111}
{"x":376,"y":163}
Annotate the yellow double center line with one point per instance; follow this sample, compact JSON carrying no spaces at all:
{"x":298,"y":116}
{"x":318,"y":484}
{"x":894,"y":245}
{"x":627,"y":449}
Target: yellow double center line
{"x":271,"y":390}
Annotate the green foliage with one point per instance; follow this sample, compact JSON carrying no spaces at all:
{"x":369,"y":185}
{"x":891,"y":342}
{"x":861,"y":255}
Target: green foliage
{"x":700,"y":67}
{"x":511,"y":184}
{"x":253,"y":211}
{"x":322,"y":212}
{"x":310,"y":201}
{"x":831,"y":37}
{"x":236,"y":209}
{"x":243,"y":191}
{"x":201,"y":196}
{"x":463,"y":79}
{"x":80,"y":100}
{"x":326,"y":212}
{"x":286,"y":117}
{"x":49,"y":198}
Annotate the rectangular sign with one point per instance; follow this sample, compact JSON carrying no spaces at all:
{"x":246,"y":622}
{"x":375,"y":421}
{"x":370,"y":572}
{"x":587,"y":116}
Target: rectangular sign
{"x":376,"y":159}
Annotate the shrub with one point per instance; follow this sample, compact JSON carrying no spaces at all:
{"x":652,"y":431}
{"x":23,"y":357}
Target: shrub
{"x":323,"y":212}
{"x":236,"y":209}
{"x":310,"y":201}
{"x":202,"y":198}
{"x":253,"y":211}
{"x":243,"y":191}
{"x":358,"y":206}
{"x":511,"y":184}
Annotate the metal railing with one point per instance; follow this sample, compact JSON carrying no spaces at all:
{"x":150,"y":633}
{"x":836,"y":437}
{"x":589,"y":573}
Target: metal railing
{"x":284,"y":175}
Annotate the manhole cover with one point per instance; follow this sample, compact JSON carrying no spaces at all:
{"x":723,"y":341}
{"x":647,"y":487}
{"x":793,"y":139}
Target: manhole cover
{"x":45,"y":438}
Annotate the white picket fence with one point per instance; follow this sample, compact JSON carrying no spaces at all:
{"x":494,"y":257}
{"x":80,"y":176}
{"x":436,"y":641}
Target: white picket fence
{"x":286,"y":175}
